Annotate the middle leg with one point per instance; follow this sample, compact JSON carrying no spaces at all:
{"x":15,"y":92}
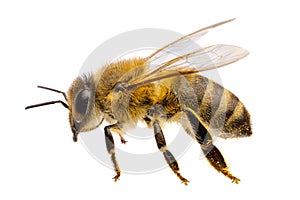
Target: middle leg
{"x":170,"y":159}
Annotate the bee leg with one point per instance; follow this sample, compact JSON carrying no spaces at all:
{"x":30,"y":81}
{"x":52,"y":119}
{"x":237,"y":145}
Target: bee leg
{"x":210,"y":151}
{"x":123,"y":141}
{"x":110,"y":145}
{"x":170,"y":159}
{"x":216,"y":159}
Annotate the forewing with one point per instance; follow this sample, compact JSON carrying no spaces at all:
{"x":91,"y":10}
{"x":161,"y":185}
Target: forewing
{"x":208,"y":58}
{"x":190,"y":58}
{"x":182,"y":45}
{"x":203,"y":59}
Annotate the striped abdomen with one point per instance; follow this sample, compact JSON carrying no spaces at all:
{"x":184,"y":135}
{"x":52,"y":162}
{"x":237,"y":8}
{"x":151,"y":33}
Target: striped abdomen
{"x":219,"y":110}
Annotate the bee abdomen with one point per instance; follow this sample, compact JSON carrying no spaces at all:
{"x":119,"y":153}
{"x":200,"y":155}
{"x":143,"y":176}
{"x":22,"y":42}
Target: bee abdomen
{"x":224,"y":113}
{"x":238,"y":124}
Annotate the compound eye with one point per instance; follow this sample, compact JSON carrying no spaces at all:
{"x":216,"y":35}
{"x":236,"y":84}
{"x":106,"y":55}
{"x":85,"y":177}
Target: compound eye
{"x":81,"y":102}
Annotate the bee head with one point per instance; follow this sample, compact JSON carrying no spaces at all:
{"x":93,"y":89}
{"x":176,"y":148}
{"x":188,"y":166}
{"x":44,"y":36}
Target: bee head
{"x":83,"y":115}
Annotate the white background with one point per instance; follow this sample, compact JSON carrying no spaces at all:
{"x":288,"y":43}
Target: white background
{"x":46,"y":43}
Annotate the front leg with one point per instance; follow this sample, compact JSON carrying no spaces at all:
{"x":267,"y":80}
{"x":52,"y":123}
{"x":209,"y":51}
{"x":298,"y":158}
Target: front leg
{"x":110,"y":145}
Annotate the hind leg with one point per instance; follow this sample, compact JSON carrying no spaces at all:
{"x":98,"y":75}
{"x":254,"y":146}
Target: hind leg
{"x":210,"y":151}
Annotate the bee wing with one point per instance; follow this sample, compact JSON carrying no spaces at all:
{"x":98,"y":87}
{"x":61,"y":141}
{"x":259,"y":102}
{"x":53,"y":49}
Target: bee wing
{"x":191,"y":59}
{"x":203,"y":59}
{"x":182,"y":45}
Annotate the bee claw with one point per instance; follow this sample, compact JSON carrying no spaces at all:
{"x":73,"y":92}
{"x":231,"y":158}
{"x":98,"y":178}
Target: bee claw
{"x":117,"y":177}
{"x":123,"y":141}
{"x":231,"y":177}
{"x":235,"y":180}
{"x":185,"y":181}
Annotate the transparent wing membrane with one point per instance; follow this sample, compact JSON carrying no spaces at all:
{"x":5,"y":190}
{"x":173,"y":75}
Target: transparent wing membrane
{"x":184,"y":56}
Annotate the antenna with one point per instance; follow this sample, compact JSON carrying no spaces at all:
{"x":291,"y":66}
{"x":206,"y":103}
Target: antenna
{"x":50,"y":102}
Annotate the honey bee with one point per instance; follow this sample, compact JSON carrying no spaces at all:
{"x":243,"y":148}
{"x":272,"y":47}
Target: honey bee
{"x":127,"y":91}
